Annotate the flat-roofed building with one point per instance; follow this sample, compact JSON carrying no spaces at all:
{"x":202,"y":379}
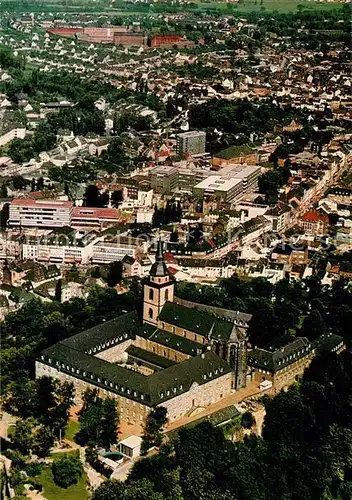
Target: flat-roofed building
{"x":164,"y":179}
{"x":116,"y":248}
{"x":40,"y":213}
{"x":248,"y":174}
{"x":229,"y":190}
{"x":192,"y":142}
{"x":94,"y":218}
{"x":62,"y":246}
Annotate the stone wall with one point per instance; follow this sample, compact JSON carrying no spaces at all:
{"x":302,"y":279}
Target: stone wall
{"x":160,"y":350}
{"x":182,"y":332}
{"x":198,"y":396}
{"x":115,"y":353}
{"x":130,"y":411}
{"x":136,"y":413}
{"x":285,"y":377}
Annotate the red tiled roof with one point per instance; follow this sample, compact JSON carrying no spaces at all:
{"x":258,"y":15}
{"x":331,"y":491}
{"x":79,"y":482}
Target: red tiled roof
{"x":95,"y":213}
{"x":313,"y":216}
{"x":40,"y":203}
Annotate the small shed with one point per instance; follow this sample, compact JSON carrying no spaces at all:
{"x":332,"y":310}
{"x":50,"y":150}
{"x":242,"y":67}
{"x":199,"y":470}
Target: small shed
{"x":131,"y":446}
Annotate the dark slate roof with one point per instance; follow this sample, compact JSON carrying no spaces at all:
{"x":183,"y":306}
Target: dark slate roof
{"x":199,"y":320}
{"x":173,"y":341}
{"x":159,"y":268}
{"x":128,"y":260}
{"x":152,"y":390}
{"x":328,"y":342}
{"x":240,"y":318}
{"x":106,"y":334}
{"x":273,"y":361}
{"x":179,"y":378}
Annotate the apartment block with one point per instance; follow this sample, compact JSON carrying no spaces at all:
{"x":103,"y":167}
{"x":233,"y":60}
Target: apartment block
{"x":192,"y":142}
{"x":164,"y":179}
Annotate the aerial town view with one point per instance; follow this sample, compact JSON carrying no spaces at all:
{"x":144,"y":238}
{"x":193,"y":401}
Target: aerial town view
{"x":176,"y":250}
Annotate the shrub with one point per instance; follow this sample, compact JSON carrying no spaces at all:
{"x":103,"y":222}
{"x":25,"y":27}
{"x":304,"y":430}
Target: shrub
{"x":33,"y":469}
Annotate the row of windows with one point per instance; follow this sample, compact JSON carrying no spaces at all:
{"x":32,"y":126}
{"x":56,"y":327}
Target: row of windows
{"x":151,"y":294}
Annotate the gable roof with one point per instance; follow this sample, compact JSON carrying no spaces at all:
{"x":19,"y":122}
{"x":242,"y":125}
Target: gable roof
{"x":274,"y":361}
{"x":195,"y":320}
{"x":152,"y":390}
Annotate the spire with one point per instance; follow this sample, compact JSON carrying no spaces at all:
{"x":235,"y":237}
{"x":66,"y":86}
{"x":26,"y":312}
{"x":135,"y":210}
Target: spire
{"x":159,"y":251}
{"x":159,"y":267}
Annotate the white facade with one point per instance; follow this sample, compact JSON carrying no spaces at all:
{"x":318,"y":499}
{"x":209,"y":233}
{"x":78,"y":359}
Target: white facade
{"x":60,"y":254}
{"x":18,"y":133}
{"x":105,"y":252}
{"x":33,"y":213}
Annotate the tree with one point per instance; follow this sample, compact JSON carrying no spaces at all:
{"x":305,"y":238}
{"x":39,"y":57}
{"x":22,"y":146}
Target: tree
{"x":19,"y":182}
{"x":92,"y":197}
{"x":155,"y":422}
{"x":40,"y":184}
{"x":23,"y":436}
{"x":247,"y":420}
{"x":313,"y":325}
{"x":116,"y":490}
{"x":3,"y":191}
{"x":58,"y":290}
{"x":91,"y":455}
{"x":4,"y":215}
{"x":22,"y":398}
{"x":98,"y":419}
{"x":115,"y":273}
{"x":67,"y":470}
{"x":109,"y":423}
{"x":116,"y":198}
{"x":43,"y":441}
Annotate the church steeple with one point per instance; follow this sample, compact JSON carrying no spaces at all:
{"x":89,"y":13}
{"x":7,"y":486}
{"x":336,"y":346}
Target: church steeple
{"x":159,"y":288}
{"x":159,"y":268}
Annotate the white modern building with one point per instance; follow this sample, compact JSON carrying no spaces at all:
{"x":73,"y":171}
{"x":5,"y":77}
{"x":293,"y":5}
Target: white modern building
{"x":66,"y":248}
{"x":116,"y":248}
{"x":229,"y":190}
{"x":40,"y":213}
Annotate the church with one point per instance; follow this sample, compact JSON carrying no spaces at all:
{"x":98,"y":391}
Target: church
{"x":181,"y":355}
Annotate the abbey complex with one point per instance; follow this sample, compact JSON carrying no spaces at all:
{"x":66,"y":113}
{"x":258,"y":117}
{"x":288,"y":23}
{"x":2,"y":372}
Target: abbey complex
{"x":180,"y":354}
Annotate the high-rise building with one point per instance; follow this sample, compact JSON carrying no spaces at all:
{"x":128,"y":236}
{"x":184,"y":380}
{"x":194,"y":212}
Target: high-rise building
{"x":192,"y":142}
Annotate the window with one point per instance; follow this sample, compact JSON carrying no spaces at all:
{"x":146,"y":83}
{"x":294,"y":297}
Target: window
{"x":166,"y":295}
{"x":150,"y":313}
{"x":151,"y":294}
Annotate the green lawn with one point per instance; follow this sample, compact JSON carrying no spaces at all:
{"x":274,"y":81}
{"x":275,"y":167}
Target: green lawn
{"x":60,"y":454}
{"x":52,"y":492}
{"x":71,"y":430}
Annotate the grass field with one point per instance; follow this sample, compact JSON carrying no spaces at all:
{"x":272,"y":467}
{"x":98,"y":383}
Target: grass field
{"x":52,"y":492}
{"x":72,"y":429}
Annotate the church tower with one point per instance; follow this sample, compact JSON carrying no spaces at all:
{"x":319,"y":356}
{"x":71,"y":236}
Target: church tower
{"x":158,"y":290}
